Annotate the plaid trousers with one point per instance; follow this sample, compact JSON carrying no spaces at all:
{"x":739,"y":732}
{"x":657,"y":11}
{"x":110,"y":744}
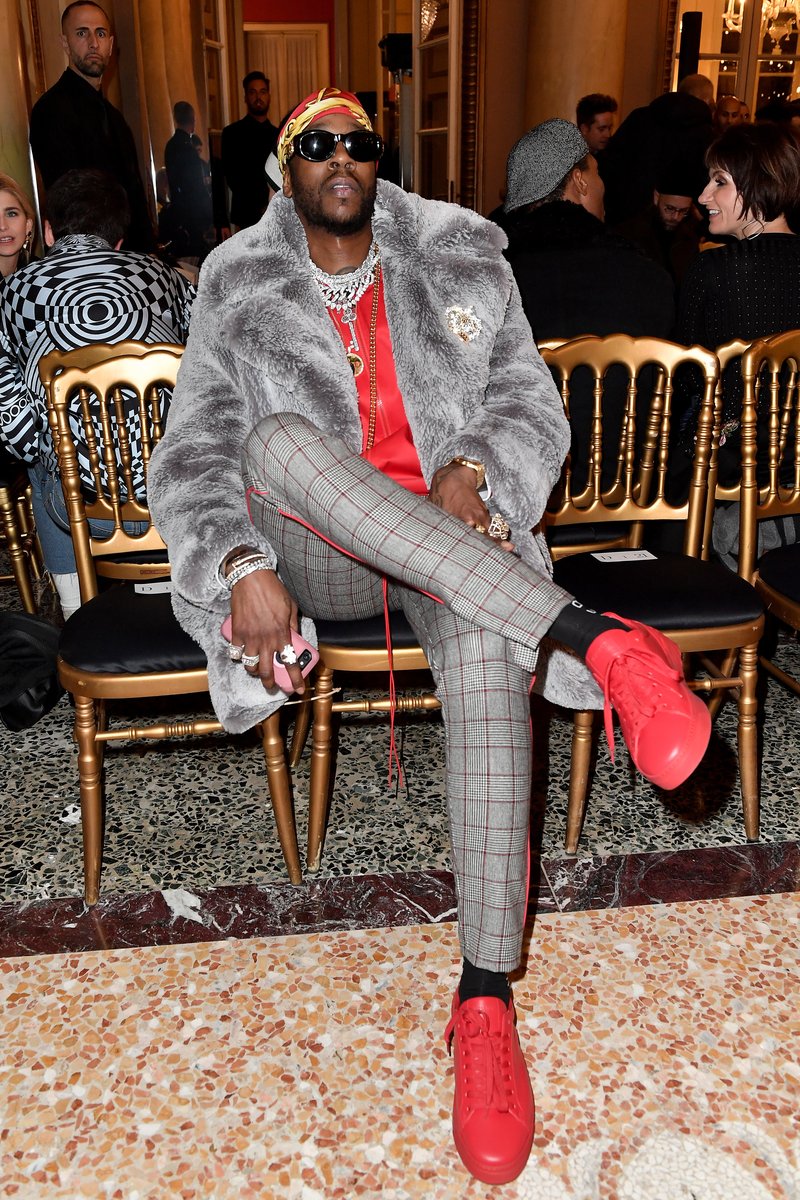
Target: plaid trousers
{"x":494,"y":609}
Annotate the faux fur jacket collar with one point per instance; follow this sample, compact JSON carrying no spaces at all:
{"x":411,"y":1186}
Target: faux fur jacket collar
{"x":261,"y":341}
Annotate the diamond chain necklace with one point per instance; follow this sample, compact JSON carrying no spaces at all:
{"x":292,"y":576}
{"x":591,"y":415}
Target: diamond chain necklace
{"x":343,"y":292}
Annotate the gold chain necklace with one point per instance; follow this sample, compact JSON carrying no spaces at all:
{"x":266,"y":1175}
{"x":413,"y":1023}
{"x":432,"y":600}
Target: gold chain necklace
{"x":373,"y":366}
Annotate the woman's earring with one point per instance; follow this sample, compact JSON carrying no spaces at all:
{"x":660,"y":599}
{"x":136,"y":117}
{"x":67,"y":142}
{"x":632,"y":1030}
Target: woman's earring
{"x":750,"y":237}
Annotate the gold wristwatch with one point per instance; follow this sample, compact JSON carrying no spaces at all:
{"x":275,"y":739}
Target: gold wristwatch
{"x":474,"y":465}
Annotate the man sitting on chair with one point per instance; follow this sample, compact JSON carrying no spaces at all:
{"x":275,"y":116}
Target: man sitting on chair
{"x":359,"y":372}
{"x":85,"y":291}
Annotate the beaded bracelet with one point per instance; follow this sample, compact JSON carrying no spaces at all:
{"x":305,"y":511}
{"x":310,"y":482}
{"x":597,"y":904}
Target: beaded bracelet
{"x":246,"y":566}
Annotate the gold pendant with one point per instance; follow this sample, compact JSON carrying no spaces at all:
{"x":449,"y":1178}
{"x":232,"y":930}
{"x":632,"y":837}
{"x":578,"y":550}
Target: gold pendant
{"x":356,"y":363}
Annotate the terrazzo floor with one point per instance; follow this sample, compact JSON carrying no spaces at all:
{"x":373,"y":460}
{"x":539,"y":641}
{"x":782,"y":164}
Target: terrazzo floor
{"x":662,"y":1043}
{"x":195,"y":813}
{"x":237,"y":1036}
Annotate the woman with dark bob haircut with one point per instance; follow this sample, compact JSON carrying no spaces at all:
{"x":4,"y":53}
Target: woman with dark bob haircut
{"x":750,"y":287}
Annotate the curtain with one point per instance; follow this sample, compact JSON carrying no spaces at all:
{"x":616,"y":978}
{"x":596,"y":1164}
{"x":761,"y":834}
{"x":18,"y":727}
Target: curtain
{"x":290,"y":62}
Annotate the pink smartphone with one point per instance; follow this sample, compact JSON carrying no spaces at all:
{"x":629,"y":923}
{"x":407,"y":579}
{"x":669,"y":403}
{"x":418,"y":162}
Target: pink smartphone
{"x":307,"y":657}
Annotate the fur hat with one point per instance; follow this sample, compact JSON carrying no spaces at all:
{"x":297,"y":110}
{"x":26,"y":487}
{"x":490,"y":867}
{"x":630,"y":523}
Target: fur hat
{"x":540,"y":160}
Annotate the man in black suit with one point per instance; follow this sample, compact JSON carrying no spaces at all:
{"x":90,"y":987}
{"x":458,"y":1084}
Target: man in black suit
{"x":189,"y":193}
{"x":246,"y":146}
{"x":73,"y":126}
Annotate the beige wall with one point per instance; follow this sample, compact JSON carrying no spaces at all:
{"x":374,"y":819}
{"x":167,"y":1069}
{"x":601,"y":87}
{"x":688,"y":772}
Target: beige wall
{"x":541,"y":56}
{"x":504,"y":39}
{"x":14,"y":159}
{"x":644,"y":53}
{"x":574,"y":47}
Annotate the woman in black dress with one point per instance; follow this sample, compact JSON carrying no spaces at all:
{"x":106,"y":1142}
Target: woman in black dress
{"x":749,"y":287}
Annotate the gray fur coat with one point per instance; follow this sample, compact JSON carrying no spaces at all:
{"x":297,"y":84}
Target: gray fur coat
{"x":261,"y":342}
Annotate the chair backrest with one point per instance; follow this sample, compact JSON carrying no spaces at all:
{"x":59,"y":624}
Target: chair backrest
{"x":729,"y":355}
{"x":107,"y":407}
{"x":618,"y":394}
{"x":770,"y":438}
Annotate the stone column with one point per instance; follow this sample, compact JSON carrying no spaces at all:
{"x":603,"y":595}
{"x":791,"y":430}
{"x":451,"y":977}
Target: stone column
{"x":574,"y":47}
{"x":14,"y":157}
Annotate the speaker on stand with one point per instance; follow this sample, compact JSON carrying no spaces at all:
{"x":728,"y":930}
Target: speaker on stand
{"x":396,"y":58}
{"x":689,"y":45}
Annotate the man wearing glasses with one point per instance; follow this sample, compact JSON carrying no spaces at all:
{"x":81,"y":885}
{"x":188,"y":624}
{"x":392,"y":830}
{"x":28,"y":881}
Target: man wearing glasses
{"x":668,"y":230}
{"x":359,"y":372}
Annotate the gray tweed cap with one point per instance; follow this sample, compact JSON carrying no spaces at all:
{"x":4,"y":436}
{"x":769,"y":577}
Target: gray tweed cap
{"x":540,"y":159}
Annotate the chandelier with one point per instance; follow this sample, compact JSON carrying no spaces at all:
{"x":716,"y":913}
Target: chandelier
{"x":779,"y":18}
{"x":428,"y":12}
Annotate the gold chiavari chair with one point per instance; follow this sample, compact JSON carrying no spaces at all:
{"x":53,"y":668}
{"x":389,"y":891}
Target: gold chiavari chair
{"x":124,"y":643}
{"x":700,"y":605}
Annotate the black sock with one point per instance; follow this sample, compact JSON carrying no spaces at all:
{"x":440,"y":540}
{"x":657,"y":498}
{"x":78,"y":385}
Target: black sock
{"x":577,"y":627}
{"x":477,"y":982}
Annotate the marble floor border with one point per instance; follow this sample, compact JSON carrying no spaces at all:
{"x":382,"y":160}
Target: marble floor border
{"x":181,"y":916}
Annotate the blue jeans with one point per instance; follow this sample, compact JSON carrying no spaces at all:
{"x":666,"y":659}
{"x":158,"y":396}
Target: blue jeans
{"x":52,"y":522}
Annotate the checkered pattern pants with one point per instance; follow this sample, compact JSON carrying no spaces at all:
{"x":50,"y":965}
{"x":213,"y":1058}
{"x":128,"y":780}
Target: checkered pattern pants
{"x":493,"y":611}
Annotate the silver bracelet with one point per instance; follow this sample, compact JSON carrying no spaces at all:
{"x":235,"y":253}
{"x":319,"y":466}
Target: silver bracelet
{"x":235,"y":561}
{"x":254,"y":562}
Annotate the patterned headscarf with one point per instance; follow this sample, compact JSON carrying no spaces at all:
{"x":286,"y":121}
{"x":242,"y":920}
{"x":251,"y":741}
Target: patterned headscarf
{"x":318,"y":104}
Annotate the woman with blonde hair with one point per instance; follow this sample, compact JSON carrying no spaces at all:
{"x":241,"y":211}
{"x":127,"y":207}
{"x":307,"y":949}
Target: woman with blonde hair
{"x":17,"y":221}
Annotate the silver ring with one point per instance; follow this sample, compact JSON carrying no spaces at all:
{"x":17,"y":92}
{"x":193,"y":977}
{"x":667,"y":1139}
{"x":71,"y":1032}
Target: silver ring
{"x":250,"y":660}
{"x":235,"y":653}
{"x":499,"y":528}
{"x":287,"y":655}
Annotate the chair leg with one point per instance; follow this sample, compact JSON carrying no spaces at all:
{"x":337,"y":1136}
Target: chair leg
{"x":748,"y":740}
{"x":280,"y":794}
{"x":16,"y":552}
{"x":727,"y":668}
{"x":302,"y":724}
{"x":319,"y":786}
{"x":89,"y":773}
{"x":580,"y":763}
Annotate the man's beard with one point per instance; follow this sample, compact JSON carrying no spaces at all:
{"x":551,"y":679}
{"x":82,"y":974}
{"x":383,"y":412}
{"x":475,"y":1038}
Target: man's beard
{"x":93,"y":68}
{"x":308,"y":202}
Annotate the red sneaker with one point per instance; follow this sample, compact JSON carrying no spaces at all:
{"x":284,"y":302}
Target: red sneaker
{"x":493,"y":1113}
{"x":665,"y":726}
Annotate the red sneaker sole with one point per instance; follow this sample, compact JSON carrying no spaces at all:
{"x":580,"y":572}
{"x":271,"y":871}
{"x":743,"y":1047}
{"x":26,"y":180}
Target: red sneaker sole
{"x":503,"y":1173}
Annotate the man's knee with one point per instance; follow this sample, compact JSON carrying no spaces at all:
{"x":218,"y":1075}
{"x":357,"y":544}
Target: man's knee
{"x":273,"y":442}
{"x":285,"y":425}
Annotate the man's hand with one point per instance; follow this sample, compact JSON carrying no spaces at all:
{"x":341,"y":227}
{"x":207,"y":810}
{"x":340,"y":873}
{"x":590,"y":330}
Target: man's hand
{"x":263,"y":615}
{"x":453,"y":489}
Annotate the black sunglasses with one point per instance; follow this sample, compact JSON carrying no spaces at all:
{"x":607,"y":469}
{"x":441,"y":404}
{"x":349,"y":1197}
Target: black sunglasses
{"x":318,"y":145}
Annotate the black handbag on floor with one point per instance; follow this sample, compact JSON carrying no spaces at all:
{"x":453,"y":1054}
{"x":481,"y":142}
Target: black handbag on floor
{"x":29,"y":685}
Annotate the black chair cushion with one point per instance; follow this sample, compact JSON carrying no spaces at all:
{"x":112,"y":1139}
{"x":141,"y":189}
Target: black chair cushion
{"x":780,"y":570}
{"x":13,"y":474}
{"x":579,"y":535}
{"x":369,"y":633}
{"x":668,"y":592}
{"x":123,"y":631}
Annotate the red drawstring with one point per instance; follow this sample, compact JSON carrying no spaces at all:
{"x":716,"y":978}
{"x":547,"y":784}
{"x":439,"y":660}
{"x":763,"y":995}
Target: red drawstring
{"x":393,"y":754}
{"x":528,"y":840}
{"x":291,"y":517}
{"x":392,"y":688}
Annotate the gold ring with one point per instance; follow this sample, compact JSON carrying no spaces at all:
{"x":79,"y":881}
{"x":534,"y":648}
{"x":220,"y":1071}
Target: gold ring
{"x":480,"y":529}
{"x":499,"y":528}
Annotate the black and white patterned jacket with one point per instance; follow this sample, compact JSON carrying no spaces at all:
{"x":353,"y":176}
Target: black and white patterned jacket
{"x":81,"y":293}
